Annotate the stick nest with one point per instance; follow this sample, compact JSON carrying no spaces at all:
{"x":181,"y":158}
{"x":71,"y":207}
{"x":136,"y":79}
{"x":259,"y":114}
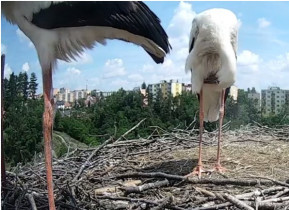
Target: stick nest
{"x":150,"y":173}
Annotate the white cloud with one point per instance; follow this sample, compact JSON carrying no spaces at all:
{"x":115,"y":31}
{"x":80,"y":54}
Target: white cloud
{"x":121,"y":83}
{"x":182,"y":19}
{"x":25,"y":67}
{"x":114,"y":68}
{"x":248,"y":60}
{"x":7,"y":71}
{"x":280,"y":63}
{"x":272,"y":72}
{"x":23,"y":38}
{"x":263,"y":23}
{"x":3,"y":49}
{"x":136,"y":77}
{"x":73,"y":71}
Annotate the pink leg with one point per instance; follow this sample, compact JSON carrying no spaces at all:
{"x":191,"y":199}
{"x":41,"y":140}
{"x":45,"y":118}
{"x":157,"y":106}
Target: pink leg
{"x":199,"y":168}
{"x":218,"y":166}
{"x":47,"y":132}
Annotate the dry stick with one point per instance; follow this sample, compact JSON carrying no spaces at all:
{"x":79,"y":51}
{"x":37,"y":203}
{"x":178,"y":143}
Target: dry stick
{"x":139,"y":189}
{"x":102,"y":146}
{"x":271,"y":205}
{"x":130,"y":130}
{"x":218,"y":206}
{"x":236,"y":202}
{"x":32,"y":201}
{"x":259,"y":192}
{"x":275,"y":200}
{"x":240,"y":196}
{"x":164,"y":203}
{"x":127,"y":199}
{"x":194,"y":181}
{"x":273,"y":180}
{"x":108,"y":141}
{"x":137,"y":201}
{"x":281,"y":193}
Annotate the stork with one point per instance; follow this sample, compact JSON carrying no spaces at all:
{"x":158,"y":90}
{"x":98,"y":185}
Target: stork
{"x":212,"y":62}
{"x":62,"y":30}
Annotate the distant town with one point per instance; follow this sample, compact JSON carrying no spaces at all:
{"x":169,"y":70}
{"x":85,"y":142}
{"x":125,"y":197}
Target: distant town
{"x":268,"y":101}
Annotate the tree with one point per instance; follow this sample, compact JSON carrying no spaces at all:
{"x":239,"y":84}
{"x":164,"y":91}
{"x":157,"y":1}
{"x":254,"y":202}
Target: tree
{"x":22,"y":121}
{"x":143,"y":86}
{"x":33,"y":85}
{"x":23,"y":85}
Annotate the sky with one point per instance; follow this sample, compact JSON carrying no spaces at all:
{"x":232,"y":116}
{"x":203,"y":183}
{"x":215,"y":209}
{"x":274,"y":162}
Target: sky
{"x":263,"y":50}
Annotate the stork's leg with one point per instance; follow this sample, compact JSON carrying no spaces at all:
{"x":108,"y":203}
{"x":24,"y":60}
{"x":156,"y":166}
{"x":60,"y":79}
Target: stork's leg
{"x":199,"y":168}
{"x":218,"y":166}
{"x":47,"y":132}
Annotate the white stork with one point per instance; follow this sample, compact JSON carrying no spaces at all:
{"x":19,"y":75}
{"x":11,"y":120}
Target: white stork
{"x":212,"y":62}
{"x":62,"y":30}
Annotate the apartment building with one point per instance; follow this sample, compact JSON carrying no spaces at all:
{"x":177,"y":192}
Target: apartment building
{"x":172,"y":87}
{"x":273,"y":100}
{"x":66,"y":95}
{"x":256,"y":97}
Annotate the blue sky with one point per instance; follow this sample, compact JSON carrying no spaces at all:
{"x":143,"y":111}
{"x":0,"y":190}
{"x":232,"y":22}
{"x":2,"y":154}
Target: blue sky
{"x":263,"y":52}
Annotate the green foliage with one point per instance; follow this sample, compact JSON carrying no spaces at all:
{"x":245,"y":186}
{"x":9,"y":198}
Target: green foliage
{"x":33,"y":85}
{"x":22,"y":121}
{"x":111,"y":116}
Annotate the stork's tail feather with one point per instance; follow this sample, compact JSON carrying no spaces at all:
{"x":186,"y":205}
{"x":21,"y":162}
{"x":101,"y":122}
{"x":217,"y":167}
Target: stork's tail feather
{"x":212,"y":103}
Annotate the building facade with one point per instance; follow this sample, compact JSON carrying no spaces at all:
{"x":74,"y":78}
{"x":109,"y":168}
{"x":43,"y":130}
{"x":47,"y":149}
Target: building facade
{"x":273,"y":100}
{"x":256,"y":97}
{"x":167,"y":88}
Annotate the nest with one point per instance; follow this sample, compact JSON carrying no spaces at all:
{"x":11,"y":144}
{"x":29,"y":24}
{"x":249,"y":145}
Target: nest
{"x":150,"y":173}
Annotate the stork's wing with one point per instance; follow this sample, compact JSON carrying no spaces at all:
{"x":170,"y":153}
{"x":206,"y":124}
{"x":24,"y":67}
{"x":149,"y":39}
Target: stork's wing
{"x":133,"y":17}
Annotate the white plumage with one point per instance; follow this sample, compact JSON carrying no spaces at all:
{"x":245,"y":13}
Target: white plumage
{"x":213,"y":44}
{"x":212,"y":62}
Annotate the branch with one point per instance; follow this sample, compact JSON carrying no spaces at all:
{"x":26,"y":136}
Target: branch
{"x":164,"y":203}
{"x":32,"y":201}
{"x":108,"y":141}
{"x":237,"y":202}
{"x":194,"y":181}
{"x":130,"y":130}
{"x":139,"y":189}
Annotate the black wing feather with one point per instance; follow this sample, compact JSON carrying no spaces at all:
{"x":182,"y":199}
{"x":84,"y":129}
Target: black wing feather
{"x":134,"y":17}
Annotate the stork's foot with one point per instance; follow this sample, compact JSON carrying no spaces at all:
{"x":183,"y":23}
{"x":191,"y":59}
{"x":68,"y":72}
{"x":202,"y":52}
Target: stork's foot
{"x":219,"y":168}
{"x":198,"y":170}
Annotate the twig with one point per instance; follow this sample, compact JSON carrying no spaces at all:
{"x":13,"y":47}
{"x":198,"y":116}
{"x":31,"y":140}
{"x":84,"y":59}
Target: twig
{"x":237,"y":202}
{"x":164,"y":203}
{"x":275,"y":200}
{"x":127,"y":199}
{"x":194,"y":181}
{"x":108,"y":141}
{"x":32,"y":201}
{"x":273,"y":180}
{"x":139,"y":189}
{"x":130,"y":130}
